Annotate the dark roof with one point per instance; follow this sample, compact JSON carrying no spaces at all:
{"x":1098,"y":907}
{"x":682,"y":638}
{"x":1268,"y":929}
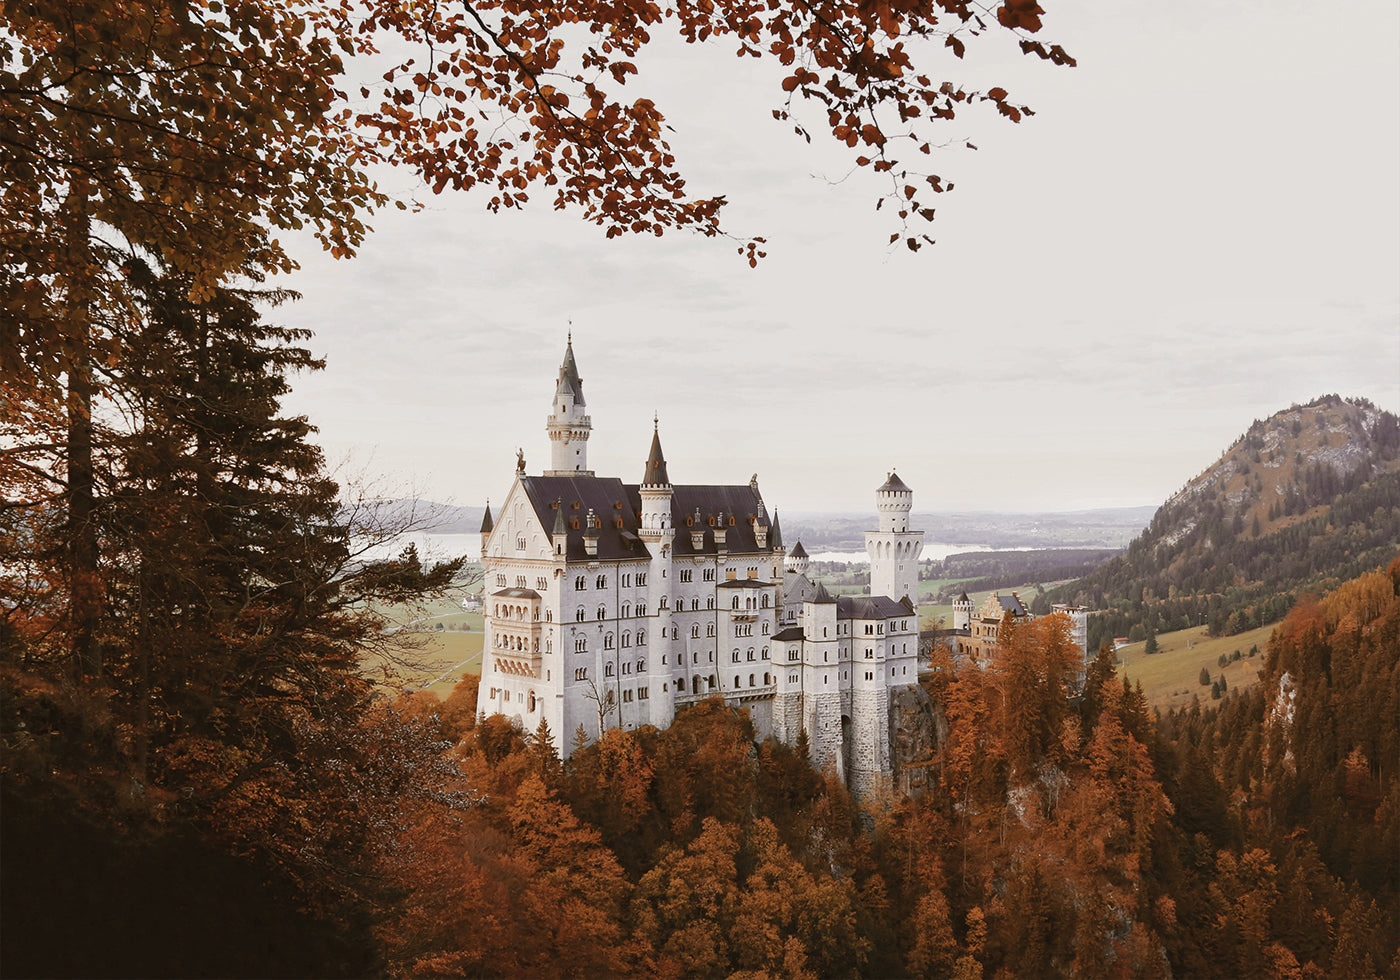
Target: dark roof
{"x":577,"y":494}
{"x":894,"y":483}
{"x":743,"y":583}
{"x":609,"y":499}
{"x":738,"y":503}
{"x":789,"y":633}
{"x":656,"y":464}
{"x":869,"y":607}
{"x":516,"y":594}
{"x":1012,"y":604}
{"x":823,"y":595}
{"x":486,"y":519}
{"x":798,"y":551}
{"x":964,"y":598}
{"x":775,"y":533}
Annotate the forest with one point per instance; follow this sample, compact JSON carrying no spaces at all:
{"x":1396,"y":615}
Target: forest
{"x":1060,"y":837}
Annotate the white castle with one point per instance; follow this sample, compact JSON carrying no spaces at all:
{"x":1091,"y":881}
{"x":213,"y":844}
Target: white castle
{"x":612,"y":604}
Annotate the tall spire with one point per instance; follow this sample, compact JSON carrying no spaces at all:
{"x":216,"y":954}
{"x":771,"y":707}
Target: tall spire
{"x":569,"y":425}
{"x":656,"y":463}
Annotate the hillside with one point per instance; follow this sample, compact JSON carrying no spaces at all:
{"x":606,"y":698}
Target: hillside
{"x":1304,"y":499}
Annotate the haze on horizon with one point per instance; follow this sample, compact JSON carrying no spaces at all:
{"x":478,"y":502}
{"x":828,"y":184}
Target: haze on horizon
{"x":1200,"y":226}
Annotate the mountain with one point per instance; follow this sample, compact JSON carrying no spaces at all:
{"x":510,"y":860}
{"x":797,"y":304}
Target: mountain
{"x":1303,"y":500}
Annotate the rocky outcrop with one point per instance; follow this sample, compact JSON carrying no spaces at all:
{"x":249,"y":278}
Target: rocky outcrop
{"x":917,"y":729}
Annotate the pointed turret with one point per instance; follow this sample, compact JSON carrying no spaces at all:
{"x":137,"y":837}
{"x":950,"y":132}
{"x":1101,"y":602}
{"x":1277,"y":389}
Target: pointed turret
{"x":486,"y":525}
{"x":822,"y":595}
{"x":775,"y":534}
{"x":569,"y":379}
{"x":655,"y":475}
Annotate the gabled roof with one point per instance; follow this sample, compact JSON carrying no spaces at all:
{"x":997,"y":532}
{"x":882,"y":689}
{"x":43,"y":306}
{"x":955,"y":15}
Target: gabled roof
{"x":789,"y":633}
{"x":516,"y":593}
{"x":486,"y":523}
{"x":824,"y":596}
{"x":743,"y":583}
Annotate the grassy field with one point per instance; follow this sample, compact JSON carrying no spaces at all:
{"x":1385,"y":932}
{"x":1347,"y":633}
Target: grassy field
{"x":1171,"y":677}
{"x":441,"y":643}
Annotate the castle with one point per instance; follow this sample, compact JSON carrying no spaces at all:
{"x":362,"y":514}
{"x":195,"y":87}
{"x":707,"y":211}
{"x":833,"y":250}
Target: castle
{"x":612,"y":604}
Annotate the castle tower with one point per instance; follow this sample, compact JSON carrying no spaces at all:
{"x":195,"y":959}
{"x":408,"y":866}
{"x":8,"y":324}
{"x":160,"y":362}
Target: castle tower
{"x":657,"y":532}
{"x":894,"y":549}
{"x":797,"y":559}
{"x":962,"y":612}
{"x":569,"y":426}
{"x":827,"y":727}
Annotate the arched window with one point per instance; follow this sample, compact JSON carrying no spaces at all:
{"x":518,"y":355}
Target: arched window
{"x":641,"y":664}
{"x":626,"y":610}
{"x":695,"y":631}
{"x":641,"y":637}
{"x":607,"y":670}
{"x":750,"y":656}
{"x":608,"y":642}
{"x":735,"y":603}
{"x":602,"y":612}
{"x":694,"y":603}
{"x":765,"y":628}
{"x":709,"y":629}
{"x":665,"y":602}
{"x":734,"y":657}
{"x":751,"y":683}
{"x":736,"y":681}
{"x":578,"y":616}
{"x":765,"y":600}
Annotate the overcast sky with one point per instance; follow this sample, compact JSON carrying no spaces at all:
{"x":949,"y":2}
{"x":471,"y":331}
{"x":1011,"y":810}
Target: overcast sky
{"x":1200,"y":226}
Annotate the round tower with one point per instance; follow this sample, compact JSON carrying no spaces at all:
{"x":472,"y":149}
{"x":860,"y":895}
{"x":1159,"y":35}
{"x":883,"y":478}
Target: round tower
{"x":569,"y":425}
{"x":797,"y":559}
{"x":894,"y":549}
{"x":962,"y":612}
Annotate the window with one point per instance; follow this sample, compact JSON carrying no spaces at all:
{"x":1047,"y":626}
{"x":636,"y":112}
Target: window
{"x":642,"y":694}
{"x":626,"y":639}
{"x":709,"y":602}
{"x":641,"y":610}
{"x":548,"y":646}
{"x":520,"y":581}
{"x":626,"y":610}
{"x":581,"y":645}
{"x":581,"y":673}
{"x":792,"y":678}
{"x":750,"y":656}
{"x":665,"y":603}
{"x":607,"y":670}
{"x":608,"y":642}
{"x":601,"y":582}
{"x":641,"y":637}
{"x":765,"y":600}
{"x":709,"y":575}
{"x":735,"y":656}
{"x":641,"y":664}
{"x":736,"y":681}
{"x":627,"y":668}
{"x":765,"y":627}
{"x":627,"y":580}
{"x":578,"y":615}
{"x":641,"y":578}
{"x":541,"y":583}
{"x":520,"y":545}
{"x":695,"y":631}
{"x":765,"y":679}
{"x":685,"y":574}
{"x":751,"y":683}
{"x":602,"y":612}
{"x":734,"y":604}
{"x":792,"y":654}
{"x":869,"y":654}
{"x":765,"y":653}
{"x":580,"y":583}
{"x":869,"y":629}
{"x":709,"y":629}
{"x":869,"y":676}
{"x":500,"y":580}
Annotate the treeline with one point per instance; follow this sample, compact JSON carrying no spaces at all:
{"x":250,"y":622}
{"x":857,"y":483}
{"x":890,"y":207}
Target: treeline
{"x":985,"y":571}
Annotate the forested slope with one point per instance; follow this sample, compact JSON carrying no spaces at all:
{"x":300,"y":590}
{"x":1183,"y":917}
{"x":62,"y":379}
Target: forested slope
{"x":1303,"y":500}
